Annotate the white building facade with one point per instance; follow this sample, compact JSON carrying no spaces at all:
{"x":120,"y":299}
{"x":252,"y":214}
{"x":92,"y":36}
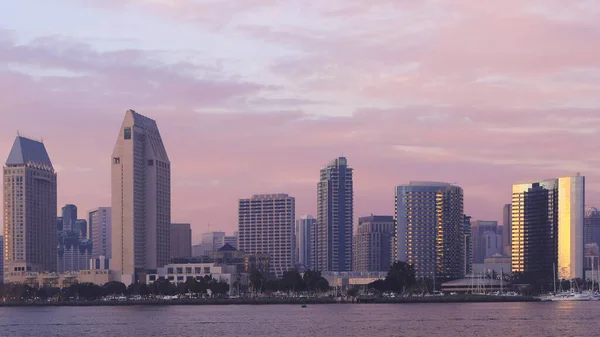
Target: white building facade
{"x":141,"y":199}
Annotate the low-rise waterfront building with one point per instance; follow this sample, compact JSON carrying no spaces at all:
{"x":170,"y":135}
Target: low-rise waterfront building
{"x":61,"y":280}
{"x":497,"y":264}
{"x":181,"y":272}
{"x":349,"y":279}
{"x":475,"y":284}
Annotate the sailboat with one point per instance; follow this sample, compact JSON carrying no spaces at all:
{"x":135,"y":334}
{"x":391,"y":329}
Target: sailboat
{"x":571,"y":295}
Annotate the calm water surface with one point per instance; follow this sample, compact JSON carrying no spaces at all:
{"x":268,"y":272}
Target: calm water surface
{"x":446,"y":319}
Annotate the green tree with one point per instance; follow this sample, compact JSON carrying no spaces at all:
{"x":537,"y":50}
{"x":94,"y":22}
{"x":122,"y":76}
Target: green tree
{"x":257,"y":280}
{"x":219,"y":287}
{"x":400,"y":276}
{"x":114,"y":288}
{"x":314,"y":281}
{"x":352,"y":292}
{"x":378,"y":285}
{"x":292,"y":281}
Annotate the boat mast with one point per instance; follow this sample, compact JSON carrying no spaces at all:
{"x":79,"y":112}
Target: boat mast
{"x":501,"y":280}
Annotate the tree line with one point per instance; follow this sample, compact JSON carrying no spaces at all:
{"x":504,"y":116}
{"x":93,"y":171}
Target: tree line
{"x":91,"y":291}
{"x":291,"y":281}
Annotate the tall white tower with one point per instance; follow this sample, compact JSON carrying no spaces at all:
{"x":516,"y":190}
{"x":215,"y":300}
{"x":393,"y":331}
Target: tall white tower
{"x":141,"y":199}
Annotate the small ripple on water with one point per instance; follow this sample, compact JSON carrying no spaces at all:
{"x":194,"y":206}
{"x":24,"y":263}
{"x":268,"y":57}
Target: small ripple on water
{"x":468,"y":319}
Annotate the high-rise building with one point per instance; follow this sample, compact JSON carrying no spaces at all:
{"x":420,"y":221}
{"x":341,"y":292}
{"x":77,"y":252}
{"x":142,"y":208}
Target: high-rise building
{"x":199,"y":250}
{"x":74,"y":249}
{"x":303,"y":248}
{"x":29,"y":209}
{"x":332,"y":233}
{"x":507,"y":228}
{"x":486,"y":240}
{"x":212,"y":241}
{"x":100,"y":231}
{"x":591,"y":228}
{"x":266,"y":225}
{"x":1,"y":259}
{"x":430,"y":229}
{"x":232,"y":240}
{"x":468,"y":244}
{"x":373,"y":243}
{"x":547,"y":228}
{"x":181,"y":240}
{"x":141,"y":199}
{"x":69,"y":217}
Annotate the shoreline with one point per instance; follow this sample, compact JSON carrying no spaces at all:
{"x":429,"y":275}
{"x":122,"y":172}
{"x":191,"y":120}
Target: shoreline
{"x":282,"y":301}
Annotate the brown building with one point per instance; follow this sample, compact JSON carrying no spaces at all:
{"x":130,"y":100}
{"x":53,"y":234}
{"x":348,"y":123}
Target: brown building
{"x":181,"y":240}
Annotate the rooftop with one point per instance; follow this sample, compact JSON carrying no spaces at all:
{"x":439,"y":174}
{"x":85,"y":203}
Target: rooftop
{"x":28,"y":151}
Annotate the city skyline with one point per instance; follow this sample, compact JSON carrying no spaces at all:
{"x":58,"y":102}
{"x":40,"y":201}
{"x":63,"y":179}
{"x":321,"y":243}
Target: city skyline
{"x":395,"y":108}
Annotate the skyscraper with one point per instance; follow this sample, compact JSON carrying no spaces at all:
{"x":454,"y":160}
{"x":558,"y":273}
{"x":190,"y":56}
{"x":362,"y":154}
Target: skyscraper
{"x":591,"y":228}
{"x":232,"y":240}
{"x":486,"y":240}
{"x":1,"y":259}
{"x":181,"y":240}
{"x":212,"y":241}
{"x":266,"y":225}
{"x":506,"y":234}
{"x":141,"y":199}
{"x":332,"y":233}
{"x":547,"y":228}
{"x":29,"y":209}
{"x":100,"y":231}
{"x":430,"y":229}
{"x":373,"y":243}
{"x":74,"y":249}
{"x":468,"y":243}
{"x":303,"y":230}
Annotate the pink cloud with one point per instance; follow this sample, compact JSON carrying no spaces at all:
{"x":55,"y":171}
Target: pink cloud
{"x":483,"y":96}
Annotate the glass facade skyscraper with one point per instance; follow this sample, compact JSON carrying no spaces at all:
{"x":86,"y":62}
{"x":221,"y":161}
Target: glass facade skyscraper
{"x":430,"y":229}
{"x":74,"y":248}
{"x":332,"y":233}
{"x":303,"y":247}
{"x":548,"y":228}
{"x":507,"y":227}
{"x":592,"y":225}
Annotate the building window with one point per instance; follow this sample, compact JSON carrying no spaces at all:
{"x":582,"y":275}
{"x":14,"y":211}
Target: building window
{"x":150,"y":162}
{"x":127,"y":133}
{"x":116,"y":160}
{"x":169,"y":270}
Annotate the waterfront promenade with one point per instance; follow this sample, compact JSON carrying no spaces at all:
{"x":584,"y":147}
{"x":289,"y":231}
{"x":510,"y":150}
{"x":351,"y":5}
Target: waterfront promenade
{"x":274,"y":301}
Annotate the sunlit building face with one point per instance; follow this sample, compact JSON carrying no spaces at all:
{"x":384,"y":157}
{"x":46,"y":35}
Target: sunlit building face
{"x":547,"y":227}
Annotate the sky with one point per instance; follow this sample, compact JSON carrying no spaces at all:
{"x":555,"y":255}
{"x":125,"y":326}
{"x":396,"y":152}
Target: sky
{"x":255,"y":96}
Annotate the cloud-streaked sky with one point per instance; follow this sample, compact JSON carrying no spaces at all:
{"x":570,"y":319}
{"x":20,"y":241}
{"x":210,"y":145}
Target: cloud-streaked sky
{"x":254,"y":96}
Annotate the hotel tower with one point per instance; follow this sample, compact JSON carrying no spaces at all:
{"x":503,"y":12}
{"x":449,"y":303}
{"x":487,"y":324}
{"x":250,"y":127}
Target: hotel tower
{"x":140,"y":199}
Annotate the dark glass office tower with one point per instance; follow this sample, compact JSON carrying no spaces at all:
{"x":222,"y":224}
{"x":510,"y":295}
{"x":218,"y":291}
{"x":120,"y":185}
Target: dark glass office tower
{"x":332,"y":234}
{"x":547,"y":228}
